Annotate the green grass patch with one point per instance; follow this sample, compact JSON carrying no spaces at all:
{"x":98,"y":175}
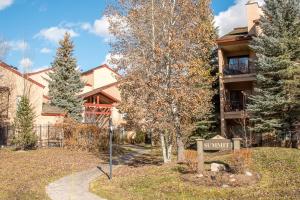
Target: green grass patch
{"x":279,"y":169}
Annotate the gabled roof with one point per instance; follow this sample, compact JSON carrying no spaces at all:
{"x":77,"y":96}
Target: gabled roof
{"x":237,"y":34}
{"x":100,"y":90}
{"x":6,"y":66}
{"x":99,"y":67}
{"x":40,"y":71}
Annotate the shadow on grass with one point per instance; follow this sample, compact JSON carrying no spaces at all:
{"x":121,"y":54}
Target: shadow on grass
{"x":145,"y":159}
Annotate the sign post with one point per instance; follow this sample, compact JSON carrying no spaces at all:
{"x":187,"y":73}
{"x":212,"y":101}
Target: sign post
{"x":200,"y":152}
{"x":236,"y":144}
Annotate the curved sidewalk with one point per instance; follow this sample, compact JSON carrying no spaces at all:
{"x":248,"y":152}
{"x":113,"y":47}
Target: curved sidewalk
{"x":76,"y":186}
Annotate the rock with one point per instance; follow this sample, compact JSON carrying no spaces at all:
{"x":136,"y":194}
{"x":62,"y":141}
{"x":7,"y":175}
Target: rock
{"x":225,"y":186}
{"x":247,"y":173}
{"x":232,"y":180}
{"x":216,"y":167}
{"x":199,"y":175}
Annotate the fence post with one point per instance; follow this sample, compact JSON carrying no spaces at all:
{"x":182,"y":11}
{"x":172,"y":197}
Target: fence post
{"x":41,"y":144}
{"x":48,"y":134}
{"x":6,"y":142}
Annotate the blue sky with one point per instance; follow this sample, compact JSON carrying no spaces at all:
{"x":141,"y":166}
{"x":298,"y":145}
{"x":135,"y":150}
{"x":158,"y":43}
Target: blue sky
{"x":33,"y":27}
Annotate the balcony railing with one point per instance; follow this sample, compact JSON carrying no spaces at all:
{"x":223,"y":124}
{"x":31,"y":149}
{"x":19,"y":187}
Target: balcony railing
{"x":232,"y":106}
{"x":237,"y":70}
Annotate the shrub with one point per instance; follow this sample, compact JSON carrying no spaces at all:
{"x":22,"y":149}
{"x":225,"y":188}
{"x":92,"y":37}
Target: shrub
{"x":191,"y":160}
{"x":25,"y":137}
{"x":140,"y":137}
{"x":241,"y":160}
{"x":86,"y":137}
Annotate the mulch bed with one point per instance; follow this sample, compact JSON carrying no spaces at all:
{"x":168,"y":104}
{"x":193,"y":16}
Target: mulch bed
{"x":221,"y":179}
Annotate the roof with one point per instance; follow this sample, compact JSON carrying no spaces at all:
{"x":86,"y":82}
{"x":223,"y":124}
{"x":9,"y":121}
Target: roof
{"x":40,"y":71}
{"x":237,"y":34}
{"x":52,"y":110}
{"x":100,"y":90}
{"x":99,"y":67}
{"x":6,"y":66}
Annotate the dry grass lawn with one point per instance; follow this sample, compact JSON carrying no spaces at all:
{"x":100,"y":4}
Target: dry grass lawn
{"x":24,"y":174}
{"x":279,"y":169}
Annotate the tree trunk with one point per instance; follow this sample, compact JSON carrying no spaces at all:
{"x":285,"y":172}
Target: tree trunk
{"x":179,"y":140}
{"x":180,"y":150}
{"x":166,"y":149}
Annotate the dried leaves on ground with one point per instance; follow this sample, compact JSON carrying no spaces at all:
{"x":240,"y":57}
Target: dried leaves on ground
{"x":24,"y":174}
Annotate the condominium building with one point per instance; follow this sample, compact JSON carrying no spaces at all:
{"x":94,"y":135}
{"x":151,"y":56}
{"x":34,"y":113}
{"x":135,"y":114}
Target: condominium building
{"x":237,"y":72}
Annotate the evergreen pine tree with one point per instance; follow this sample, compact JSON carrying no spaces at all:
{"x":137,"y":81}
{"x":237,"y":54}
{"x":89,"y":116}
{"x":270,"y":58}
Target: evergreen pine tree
{"x":25,"y":137}
{"x":273,"y":106}
{"x":65,"y":83}
{"x":209,"y":125}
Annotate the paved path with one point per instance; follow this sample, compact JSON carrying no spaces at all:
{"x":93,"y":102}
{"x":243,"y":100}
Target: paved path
{"x":76,"y":186}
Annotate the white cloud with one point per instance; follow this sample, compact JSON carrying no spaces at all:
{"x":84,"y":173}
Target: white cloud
{"x":18,"y":45}
{"x":99,"y":27}
{"x":234,"y":16}
{"x":55,"y":34}
{"x":26,"y":62}
{"x":45,"y":50}
{"x":5,"y":3}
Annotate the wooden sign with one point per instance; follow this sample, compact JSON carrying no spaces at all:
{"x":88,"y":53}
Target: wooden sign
{"x":218,"y":143}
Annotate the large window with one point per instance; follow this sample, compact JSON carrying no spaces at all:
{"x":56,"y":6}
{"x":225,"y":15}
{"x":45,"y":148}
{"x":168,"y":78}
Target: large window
{"x":237,"y":65}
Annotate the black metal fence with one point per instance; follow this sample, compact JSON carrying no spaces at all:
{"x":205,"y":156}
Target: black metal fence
{"x":48,"y":135}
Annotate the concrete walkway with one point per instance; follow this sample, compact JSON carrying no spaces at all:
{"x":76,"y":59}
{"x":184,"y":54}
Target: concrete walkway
{"x":76,"y":186}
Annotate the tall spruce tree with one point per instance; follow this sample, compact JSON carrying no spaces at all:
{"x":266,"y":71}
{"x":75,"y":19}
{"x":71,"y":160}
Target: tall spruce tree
{"x":274,"y":108}
{"x":65,"y":83}
{"x":25,"y":137}
{"x":208,"y":126}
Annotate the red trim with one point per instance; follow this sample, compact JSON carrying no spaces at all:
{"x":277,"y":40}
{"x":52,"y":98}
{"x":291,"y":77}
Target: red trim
{"x":100,"y":90}
{"x":98,"y":113}
{"x":37,"y":72}
{"x":4,"y":65}
{"x":46,"y":97}
{"x":53,"y":114}
{"x":98,"y":105}
{"x":87,"y":84}
{"x":99,"y":67}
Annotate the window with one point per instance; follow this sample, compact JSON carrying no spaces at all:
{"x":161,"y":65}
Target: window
{"x":238,"y":65}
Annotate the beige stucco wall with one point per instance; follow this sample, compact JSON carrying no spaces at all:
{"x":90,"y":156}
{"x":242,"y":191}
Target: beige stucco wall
{"x":103,"y":76}
{"x":88,"y":78}
{"x":51,"y":119}
{"x":254,"y":12}
{"x":42,"y":78}
{"x":19,"y":86}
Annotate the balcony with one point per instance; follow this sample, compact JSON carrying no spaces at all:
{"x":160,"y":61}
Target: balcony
{"x":238,"y":69}
{"x":235,"y":105}
{"x":234,"y":110}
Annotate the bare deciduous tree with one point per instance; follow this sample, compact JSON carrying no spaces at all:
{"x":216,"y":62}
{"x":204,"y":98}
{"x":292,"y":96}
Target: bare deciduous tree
{"x":165,"y":48}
